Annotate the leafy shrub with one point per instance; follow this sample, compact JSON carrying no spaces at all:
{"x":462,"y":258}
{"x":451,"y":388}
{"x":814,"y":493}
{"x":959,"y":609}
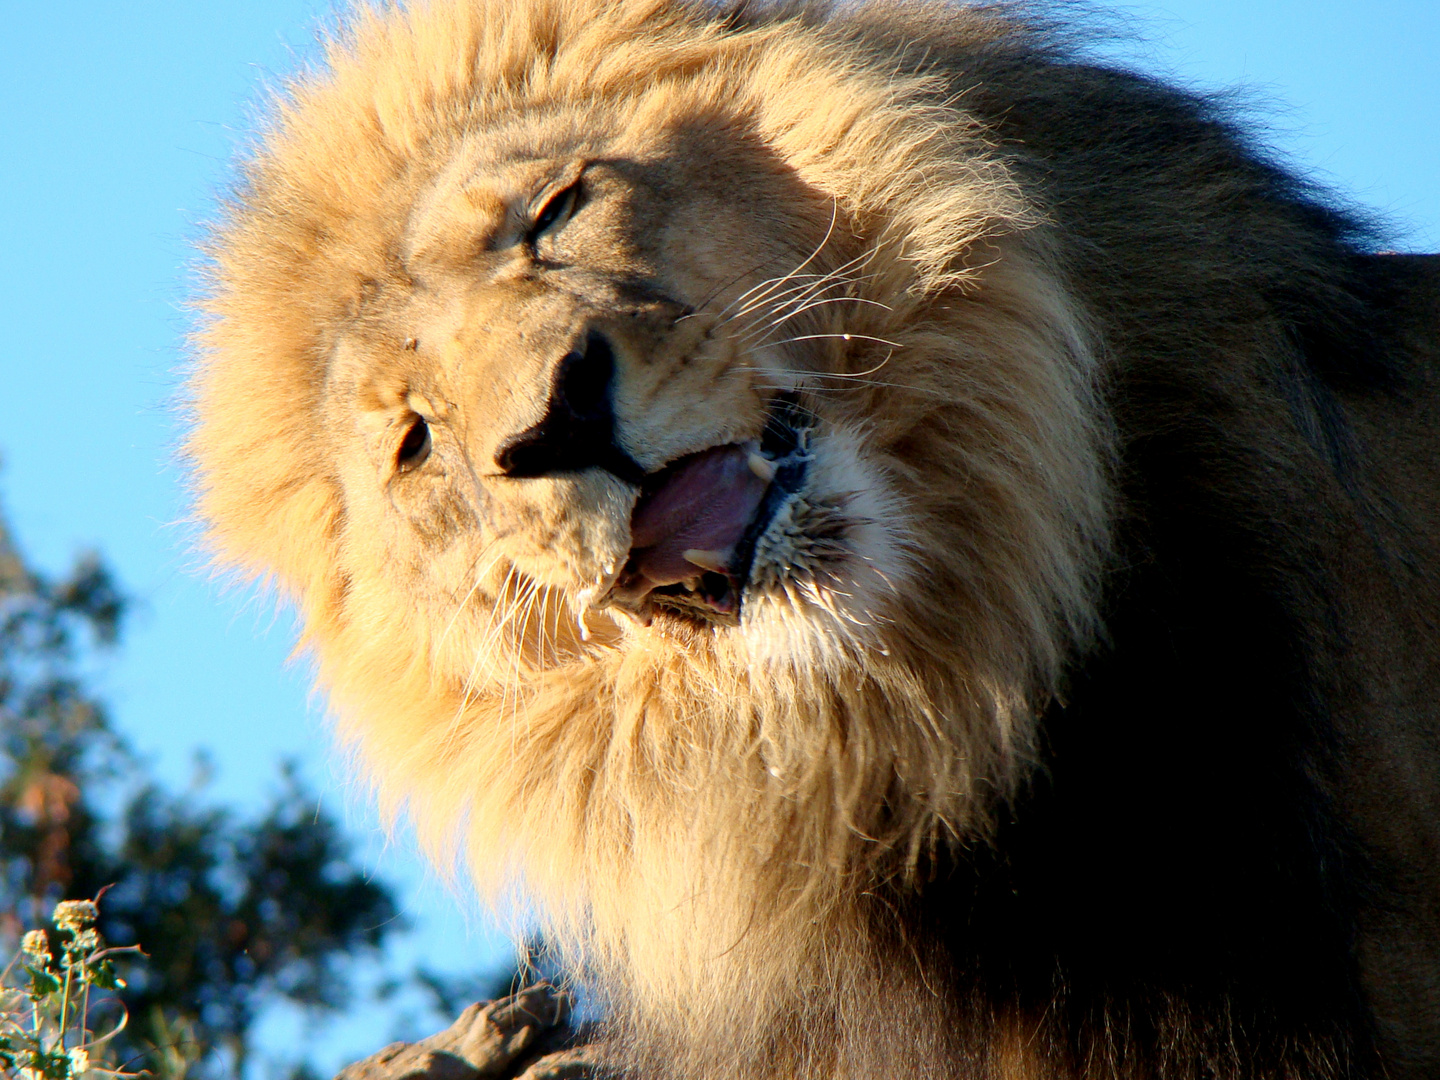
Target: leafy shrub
{"x":46,"y":1016}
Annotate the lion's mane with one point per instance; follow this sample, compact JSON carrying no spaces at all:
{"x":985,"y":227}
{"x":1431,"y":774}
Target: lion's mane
{"x":766,"y":847}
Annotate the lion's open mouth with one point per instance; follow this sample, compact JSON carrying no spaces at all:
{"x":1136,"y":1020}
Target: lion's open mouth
{"x":695,"y":527}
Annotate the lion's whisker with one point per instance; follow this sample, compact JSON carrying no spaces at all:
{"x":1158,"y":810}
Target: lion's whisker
{"x":752,"y":303}
{"x":479,"y":576}
{"x":513,"y":681}
{"x":782,"y":387}
{"x":839,"y":274}
{"x":710,"y":296}
{"x":839,"y":337}
{"x":512,"y":599}
{"x":481,"y":651}
{"x":859,"y":375}
{"x":799,"y":296}
{"x":834,"y":217}
{"x":802,"y":297}
{"x":756,"y":336}
{"x":794,"y":283}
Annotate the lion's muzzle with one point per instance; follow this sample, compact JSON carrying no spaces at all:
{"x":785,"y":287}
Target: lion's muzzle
{"x":578,"y":429}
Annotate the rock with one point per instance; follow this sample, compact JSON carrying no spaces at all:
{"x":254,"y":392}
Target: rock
{"x":526,"y":1036}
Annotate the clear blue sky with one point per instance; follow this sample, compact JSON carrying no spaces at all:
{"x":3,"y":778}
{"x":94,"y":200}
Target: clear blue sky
{"x":117,"y":121}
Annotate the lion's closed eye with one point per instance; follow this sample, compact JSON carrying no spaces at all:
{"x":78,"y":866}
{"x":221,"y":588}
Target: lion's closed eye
{"x":555,"y":212}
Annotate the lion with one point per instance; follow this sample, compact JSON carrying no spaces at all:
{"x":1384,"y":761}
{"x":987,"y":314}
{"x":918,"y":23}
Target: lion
{"x":917,"y":550}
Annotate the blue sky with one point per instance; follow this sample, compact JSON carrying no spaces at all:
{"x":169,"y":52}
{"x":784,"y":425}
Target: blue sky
{"x":117,"y":124}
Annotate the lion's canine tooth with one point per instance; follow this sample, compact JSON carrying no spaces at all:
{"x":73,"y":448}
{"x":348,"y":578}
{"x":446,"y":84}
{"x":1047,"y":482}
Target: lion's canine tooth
{"x":706,"y":560}
{"x":761,"y":466}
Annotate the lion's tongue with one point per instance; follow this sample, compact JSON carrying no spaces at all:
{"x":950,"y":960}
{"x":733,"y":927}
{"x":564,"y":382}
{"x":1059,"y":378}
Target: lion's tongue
{"x":704,"y":503}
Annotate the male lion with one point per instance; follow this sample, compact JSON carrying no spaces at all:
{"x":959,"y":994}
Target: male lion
{"x":919,"y":551}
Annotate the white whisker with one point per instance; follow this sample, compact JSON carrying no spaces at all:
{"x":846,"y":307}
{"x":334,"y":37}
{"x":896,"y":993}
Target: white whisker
{"x":841,"y":337}
{"x":479,"y":576}
{"x":481,"y":651}
{"x":800,"y":297}
{"x":834,"y":217}
{"x":749,"y":340}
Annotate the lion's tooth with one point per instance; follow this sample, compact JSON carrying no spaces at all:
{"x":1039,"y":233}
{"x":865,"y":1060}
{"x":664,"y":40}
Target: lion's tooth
{"x":706,"y":560}
{"x":761,"y":466}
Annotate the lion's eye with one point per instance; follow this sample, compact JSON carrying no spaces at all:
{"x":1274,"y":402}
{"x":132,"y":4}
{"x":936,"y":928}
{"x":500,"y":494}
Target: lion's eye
{"x":415,"y":447}
{"x":555,"y":212}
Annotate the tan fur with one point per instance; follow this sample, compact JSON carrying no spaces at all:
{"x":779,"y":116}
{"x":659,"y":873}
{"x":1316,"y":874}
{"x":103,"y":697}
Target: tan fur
{"x":701,"y":812}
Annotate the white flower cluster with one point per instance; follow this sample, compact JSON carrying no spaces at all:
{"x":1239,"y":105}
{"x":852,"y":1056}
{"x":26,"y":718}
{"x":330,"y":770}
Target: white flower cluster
{"x":76,"y":915}
{"x":36,"y":944}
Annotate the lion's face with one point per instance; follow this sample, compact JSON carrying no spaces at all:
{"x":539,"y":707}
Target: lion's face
{"x":681,"y":444}
{"x":574,"y":413}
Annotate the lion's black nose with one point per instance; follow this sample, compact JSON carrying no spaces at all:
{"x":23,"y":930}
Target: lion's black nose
{"x":578,"y":429}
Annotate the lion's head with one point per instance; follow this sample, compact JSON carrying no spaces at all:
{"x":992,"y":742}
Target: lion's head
{"x":680,"y":444}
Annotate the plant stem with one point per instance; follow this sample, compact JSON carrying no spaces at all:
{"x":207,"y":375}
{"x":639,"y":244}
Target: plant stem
{"x":65,"y":999}
{"x":85,"y":1014}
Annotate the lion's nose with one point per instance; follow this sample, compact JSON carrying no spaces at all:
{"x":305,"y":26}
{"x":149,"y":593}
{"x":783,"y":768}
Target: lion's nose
{"x":578,"y":429}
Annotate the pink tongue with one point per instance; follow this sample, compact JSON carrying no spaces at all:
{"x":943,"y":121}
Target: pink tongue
{"x":706,"y":502}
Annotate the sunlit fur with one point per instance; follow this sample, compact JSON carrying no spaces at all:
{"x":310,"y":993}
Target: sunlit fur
{"x":700,"y":813}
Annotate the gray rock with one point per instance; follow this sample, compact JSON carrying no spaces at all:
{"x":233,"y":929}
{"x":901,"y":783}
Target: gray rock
{"x":526,"y":1036}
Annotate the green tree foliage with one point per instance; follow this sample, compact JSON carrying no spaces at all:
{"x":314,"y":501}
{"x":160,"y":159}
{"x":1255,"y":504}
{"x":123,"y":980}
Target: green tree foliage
{"x":231,"y":910}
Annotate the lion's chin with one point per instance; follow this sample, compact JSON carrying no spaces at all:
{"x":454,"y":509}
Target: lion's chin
{"x":699,"y":520}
